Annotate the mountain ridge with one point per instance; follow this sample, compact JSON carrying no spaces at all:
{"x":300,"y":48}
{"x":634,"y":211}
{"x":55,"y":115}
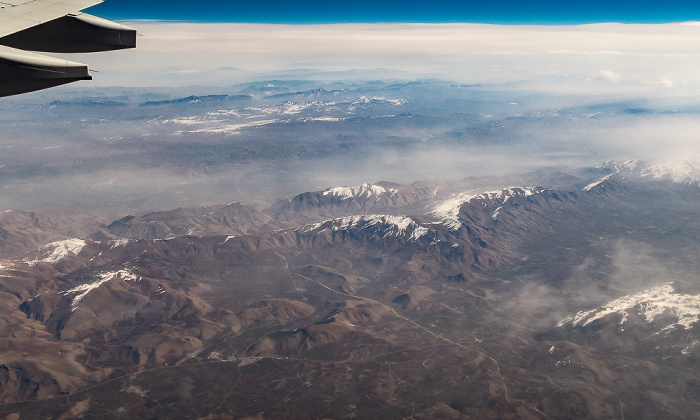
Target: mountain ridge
{"x":385,"y":302}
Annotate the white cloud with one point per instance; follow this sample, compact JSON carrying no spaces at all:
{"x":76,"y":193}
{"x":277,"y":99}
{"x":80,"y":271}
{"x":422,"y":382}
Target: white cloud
{"x":466,"y":53}
{"x":610,"y":76}
{"x":588,"y":53}
{"x":666,"y":82}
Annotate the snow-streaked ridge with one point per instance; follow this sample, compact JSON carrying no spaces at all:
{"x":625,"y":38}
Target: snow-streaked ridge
{"x":652,"y":304}
{"x":60,"y":250}
{"x":680,"y":170}
{"x":365,"y":190}
{"x":448,"y":210}
{"x":119,"y":242}
{"x":596,"y":183}
{"x":395,"y":225}
{"x":379,"y":99}
{"x":102,"y":278}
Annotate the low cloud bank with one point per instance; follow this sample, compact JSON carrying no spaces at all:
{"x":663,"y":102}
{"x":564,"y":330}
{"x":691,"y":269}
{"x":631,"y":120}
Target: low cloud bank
{"x":598,"y":59}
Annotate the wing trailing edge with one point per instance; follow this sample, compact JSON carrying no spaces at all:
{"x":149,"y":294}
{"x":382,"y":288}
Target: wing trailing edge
{"x":73,"y":33}
{"x":26,"y":72}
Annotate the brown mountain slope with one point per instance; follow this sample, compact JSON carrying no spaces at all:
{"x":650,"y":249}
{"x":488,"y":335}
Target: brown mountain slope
{"x":362,"y":316}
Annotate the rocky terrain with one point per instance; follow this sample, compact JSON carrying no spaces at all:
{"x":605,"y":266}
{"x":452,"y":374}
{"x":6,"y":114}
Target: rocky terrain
{"x":574,"y":298}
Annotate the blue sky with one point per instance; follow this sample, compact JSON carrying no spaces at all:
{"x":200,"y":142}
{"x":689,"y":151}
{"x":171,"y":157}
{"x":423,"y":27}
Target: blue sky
{"x":323,"y":11}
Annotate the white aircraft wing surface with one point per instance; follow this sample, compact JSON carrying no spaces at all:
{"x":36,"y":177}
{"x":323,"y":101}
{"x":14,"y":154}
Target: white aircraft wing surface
{"x":17,"y":15}
{"x":52,"y":26}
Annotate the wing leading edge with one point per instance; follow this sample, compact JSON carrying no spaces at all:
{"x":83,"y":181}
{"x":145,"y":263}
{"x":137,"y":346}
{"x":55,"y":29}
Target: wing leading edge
{"x":51,"y":26}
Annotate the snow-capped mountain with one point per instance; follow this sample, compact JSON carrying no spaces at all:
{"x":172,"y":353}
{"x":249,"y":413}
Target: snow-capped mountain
{"x":365,"y":190}
{"x":383,"y":225}
{"x":448,"y":211}
{"x":660,"y":306}
{"x":77,"y":293}
{"x":680,"y":171}
{"x":56,"y":251}
{"x":367,"y":197}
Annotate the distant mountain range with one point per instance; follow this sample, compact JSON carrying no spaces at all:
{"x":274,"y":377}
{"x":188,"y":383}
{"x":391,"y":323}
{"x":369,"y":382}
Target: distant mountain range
{"x":263,"y":141}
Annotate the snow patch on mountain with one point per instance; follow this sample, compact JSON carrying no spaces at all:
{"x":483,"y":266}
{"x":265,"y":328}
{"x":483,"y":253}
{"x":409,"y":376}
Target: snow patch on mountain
{"x":290,"y":107}
{"x":623,"y":166}
{"x":596,"y":183}
{"x":494,"y":216}
{"x":680,"y":171}
{"x":193,"y":120}
{"x":233,"y":121}
{"x":397,"y":225}
{"x":379,"y":99}
{"x":393,"y":225}
{"x":448,"y":210}
{"x":326,"y":119}
{"x":657,"y":304}
{"x":234,"y":128}
{"x":119,"y":242}
{"x":83,"y":290}
{"x":59,"y":250}
{"x":365,"y":190}
{"x":689,"y":349}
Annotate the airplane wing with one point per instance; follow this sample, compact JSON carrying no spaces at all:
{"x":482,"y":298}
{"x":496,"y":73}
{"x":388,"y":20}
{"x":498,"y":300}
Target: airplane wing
{"x":17,"y":15}
{"x":51,"y":26}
